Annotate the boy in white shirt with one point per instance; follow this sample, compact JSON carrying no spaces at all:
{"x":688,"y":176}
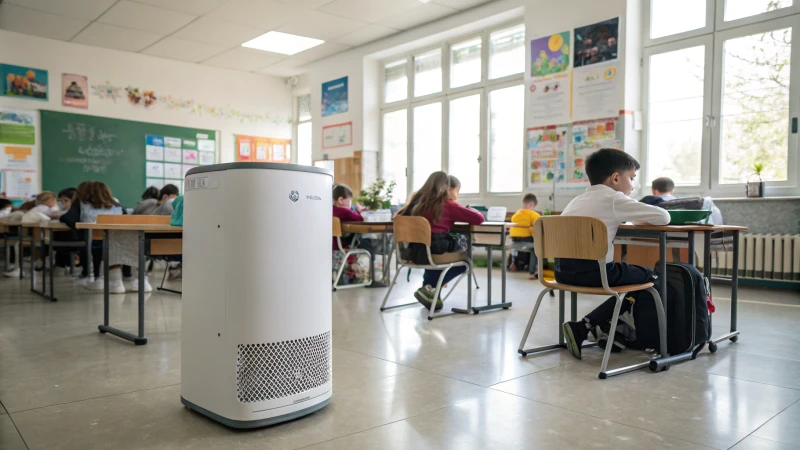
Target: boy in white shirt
{"x":611,"y":174}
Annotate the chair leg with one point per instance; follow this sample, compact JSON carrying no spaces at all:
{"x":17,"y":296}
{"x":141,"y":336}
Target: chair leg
{"x":386,"y":297}
{"x":436,"y":293}
{"x":474,"y":277}
{"x":408,"y":275}
{"x":164,"y":277}
{"x":522,"y":351}
{"x":611,"y":333}
{"x":339,"y":272}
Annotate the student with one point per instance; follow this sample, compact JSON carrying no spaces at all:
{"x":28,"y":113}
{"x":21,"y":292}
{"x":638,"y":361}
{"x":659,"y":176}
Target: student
{"x":166,"y":196}
{"x":342,"y":204}
{"x":662,"y":189}
{"x":5,"y":207}
{"x":611,"y":174}
{"x":46,"y":209}
{"x":149,"y":201}
{"x":521,"y":232}
{"x":433,"y":202}
{"x":454,"y":189}
{"x":65,"y":197}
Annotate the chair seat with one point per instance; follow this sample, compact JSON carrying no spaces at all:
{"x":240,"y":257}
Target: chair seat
{"x":448,"y":258}
{"x":552,"y":283}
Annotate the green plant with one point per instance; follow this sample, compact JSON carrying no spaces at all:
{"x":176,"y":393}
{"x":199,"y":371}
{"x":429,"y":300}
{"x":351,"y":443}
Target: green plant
{"x":377,"y":195}
{"x":758,"y":167}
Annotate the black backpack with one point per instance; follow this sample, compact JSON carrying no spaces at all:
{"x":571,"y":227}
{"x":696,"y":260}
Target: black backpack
{"x":688,"y":322}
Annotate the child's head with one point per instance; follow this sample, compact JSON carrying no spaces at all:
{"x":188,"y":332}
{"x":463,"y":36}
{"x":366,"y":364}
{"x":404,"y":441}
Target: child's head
{"x":65,"y":197}
{"x":454,"y":188}
{"x":429,"y":199}
{"x":167,"y":192}
{"x":151,"y":193}
{"x":529,"y":201}
{"x":46,"y":198}
{"x":663,"y":186}
{"x":342,"y":196}
{"x":5,"y":204}
{"x":613,"y":168}
{"x":96,"y":194}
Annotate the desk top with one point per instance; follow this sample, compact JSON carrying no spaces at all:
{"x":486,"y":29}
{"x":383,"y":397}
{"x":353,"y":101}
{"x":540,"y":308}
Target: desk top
{"x":683,"y":228}
{"x":53,"y":224}
{"x":377,"y":227}
{"x":152,"y":228}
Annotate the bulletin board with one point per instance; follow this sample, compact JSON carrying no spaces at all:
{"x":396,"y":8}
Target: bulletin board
{"x":263,"y":149}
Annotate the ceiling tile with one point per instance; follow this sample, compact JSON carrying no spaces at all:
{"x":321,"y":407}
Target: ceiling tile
{"x":244,"y":59}
{"x":184,"y":50}
{"x":219,"y":32}
{"x":321,"y":51}
{"x":285,"y":68}
{"x":368,"y":10}
{"x":37,"y":23}
{"x":109,"y":36}
{"x":197,"y":7}
{"x":77,"y":9}
{"x":460,"y":4}
{"x":424,"y":13}
{"x":145,"y":17}
{"x":306,"y":4}
{"x":261,"y":14}
{"x":365,"y":35}
{"x":319,"y":25}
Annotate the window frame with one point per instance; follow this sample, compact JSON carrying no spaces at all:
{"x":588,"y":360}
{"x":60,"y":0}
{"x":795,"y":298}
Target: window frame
{"x":295,"y":157}
{"x":722,"y":25}
{"x":482,"y":142}
{"x":708,"y":28}
{"x":487,"y":137}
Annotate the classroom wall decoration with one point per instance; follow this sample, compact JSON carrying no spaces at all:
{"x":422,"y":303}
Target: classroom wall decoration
{"x":144,"y":98}
{"x":18,"y":165}
{"x":596,"y":76}
{"x":334,"y":97}
{"x":588,"y":137}
{"x":547,"y":154}
{"x":167,"y":158}
{"x":339,"y":135}
{"x":550,"y":54}
{"x":549,"y":89}
{"x":21,"y":81}
{"x":74,"y":91}
{"x":263,"y":149}
{"x":596,"y":43}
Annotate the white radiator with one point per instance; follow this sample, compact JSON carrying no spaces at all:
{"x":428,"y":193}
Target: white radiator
{"x":763,"y":256}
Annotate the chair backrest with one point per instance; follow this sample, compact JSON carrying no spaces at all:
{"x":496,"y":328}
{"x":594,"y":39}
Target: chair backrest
{"x":570,"y":237}
{"x":337,"y":227}
{"x":133,"y":219}
{"x":412,"y":229}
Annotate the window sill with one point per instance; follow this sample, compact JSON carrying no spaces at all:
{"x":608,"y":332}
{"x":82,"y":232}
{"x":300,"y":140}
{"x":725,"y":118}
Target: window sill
{"x":750,"y":199}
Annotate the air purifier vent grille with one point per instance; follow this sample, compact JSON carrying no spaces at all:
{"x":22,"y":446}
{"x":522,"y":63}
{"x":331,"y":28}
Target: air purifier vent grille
{"x":281,"y":369}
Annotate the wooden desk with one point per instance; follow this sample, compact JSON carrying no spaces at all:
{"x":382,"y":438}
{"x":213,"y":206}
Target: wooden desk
{"x":41,"y":234}
{"x":685,"y":233}
{"x":147,"y":234}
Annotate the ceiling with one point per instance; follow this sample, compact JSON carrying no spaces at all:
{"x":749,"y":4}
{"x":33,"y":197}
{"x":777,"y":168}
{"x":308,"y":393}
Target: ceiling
{"x":210,"y":32}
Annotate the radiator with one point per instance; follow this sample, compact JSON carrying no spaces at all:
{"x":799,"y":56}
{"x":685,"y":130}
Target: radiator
{"x":762,"y":256}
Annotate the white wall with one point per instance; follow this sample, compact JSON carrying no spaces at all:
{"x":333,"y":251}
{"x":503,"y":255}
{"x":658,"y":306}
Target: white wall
{"x":246,"y":92}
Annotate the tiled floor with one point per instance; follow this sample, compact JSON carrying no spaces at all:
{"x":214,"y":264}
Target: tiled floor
{"x":400,"y":381}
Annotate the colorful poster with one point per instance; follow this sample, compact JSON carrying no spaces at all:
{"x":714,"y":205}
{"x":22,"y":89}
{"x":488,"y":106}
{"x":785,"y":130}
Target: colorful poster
{"x":550,"y":55}
{"x":261,"y":151}
{"x":595,"y":92}
{"x":20,"y":183}
{"x":334,"y":97}
{"x":19,"y":81}
{"x":206,"y":158}
{"x":339,"y":135}
{"x":547,"y":154}
{"x":278,"y":153}
{"x":173,"y":155}
{"x":588,"y":137}
{"x":74,"y":90}
{"x":244,"y":144}
{"x":17,"y":127}
{"x":172,"y":171}
{"x":206,"y":145}
{"x":596,"y":43}
{"x":190,"y":157}
{"x":18,"y":160}
{"x":550,"y":100}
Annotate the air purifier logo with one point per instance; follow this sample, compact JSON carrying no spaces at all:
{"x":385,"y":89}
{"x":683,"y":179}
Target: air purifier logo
{"x":294,"y":196}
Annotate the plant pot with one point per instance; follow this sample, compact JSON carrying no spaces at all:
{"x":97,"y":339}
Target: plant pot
{"x":755,"y":188}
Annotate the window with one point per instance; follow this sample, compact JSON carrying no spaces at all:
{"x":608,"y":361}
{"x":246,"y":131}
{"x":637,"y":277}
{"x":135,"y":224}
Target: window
{"x":465,"y":142}
{"x":304,"y":130}
{"x":428,"y":73}
{"x":395,"y":152}
{"x":676,"y":106}
{"x":427,"y":142}
{"x":395,"y":81}
{"x":668,"y":17}
{"x":737,"y":9}
{"x":507,"y":52}
{"x":465,"y":63}
{"x":506,"y":129}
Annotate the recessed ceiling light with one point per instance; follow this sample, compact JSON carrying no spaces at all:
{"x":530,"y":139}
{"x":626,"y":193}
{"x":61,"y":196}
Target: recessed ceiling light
{"x":284,"y":43}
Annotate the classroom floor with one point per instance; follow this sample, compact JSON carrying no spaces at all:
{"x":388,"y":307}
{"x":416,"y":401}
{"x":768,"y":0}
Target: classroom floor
{"x":400,"y":381}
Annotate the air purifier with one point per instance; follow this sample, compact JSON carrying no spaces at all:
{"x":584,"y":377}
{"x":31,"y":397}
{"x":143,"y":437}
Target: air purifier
{"x":256,"y":320}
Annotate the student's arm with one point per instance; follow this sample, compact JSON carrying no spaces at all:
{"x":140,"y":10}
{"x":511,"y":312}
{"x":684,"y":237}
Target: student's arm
{"x":73,"y":216}
{"x":518,"y":216}
{"x":350,"y":215}
{"x":629,"y":210}
{"x":461,"y":214}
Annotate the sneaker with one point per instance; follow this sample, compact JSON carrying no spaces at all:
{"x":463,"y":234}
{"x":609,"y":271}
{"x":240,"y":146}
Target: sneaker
{"x":135,"y":285}
{"x":424,"y":295}
{"x":176,"y":273}
{"x":575,"y":333}
{"x":92,"y":284}
{"x":13,"y":273}
{"x":533,"y":276}
{"x":114,"y":286}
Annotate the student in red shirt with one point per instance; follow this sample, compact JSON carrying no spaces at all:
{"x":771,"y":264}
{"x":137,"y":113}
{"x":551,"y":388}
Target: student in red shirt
{"x":342,"y":201}
{"x":433,"y":202}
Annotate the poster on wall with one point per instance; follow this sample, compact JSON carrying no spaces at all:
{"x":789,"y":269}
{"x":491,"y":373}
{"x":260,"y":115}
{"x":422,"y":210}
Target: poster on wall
{"x":26,"y":82}
{"x":262,"y":149}
{"x":550,"y":100}
{"x":168,"y":158}
{"x":334,"y":97}
{"x":588,"y":137}
{"x":74,"y":90}
{"x":17,"y":153}
{"x":595,"y":92}
{"x":339,"y":135}
{"x":547,"y":155}
{"x":596,"y":43}
{"x":550,"y":54}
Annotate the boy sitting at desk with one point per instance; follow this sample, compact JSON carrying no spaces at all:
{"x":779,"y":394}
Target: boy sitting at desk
{"x":521,"y":232}
{"x":611,"y":174}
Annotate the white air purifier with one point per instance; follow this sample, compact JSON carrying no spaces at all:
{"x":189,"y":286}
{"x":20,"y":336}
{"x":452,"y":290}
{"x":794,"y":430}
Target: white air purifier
{"x":256,"y":345}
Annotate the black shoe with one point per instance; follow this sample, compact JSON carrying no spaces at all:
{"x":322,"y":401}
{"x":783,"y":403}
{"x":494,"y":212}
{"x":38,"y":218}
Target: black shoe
{"x":616,"y":348}
{"x":575,"y":333}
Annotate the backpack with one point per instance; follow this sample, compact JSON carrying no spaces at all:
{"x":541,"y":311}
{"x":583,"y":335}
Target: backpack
{"x":688,"y":323}
{"x":176,"y":219}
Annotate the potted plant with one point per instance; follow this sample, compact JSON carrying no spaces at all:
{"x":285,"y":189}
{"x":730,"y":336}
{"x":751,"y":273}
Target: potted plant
{"x":756,"y":188}
{"x":377,"y":195}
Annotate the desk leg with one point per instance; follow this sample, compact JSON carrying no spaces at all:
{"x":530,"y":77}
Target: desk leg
{"x":106,"y":294}
{"x":6,"y":255}
{"x":662,"y":267}
{"x":142,"y":274}
{"x":51,"y":254}
{"x":691,"y":247}
{"x":489,"y":276}
{"x":105,"y":327}
{"x":560,"y":317}
{"x":503,"y":304}
{"x":20,"y":258}
{"x":33,"y":262}
{"x":89,"y":258}
{"x":375,"y":283}
{"x":503,"y":266}
{"x":573,"y":297}
{"x":469,"y":279}
{"x":734,"y":334}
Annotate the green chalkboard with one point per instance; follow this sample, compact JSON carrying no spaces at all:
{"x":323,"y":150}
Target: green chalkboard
{"x":77,"y":147}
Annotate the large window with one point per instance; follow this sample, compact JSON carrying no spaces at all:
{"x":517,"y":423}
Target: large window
{"x":458,"y":107}
{"x":719,"y":95}
{"x":304,"y":130}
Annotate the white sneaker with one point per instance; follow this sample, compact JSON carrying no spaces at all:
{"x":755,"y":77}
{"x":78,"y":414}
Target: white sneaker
{"x":88,"y":281}
{"x":93,"y":284}
{"x":13,"y":273}
{"x":135,"y":285}
{"x":114,"y":286}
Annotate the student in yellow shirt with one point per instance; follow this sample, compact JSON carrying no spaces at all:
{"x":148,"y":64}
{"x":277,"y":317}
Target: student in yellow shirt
{"x":521,"y":232}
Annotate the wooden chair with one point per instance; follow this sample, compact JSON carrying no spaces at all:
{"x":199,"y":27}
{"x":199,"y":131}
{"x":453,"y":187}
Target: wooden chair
{"x":337,"y":233}
{"x":584,"y":238}
{"x":417,"y":230}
